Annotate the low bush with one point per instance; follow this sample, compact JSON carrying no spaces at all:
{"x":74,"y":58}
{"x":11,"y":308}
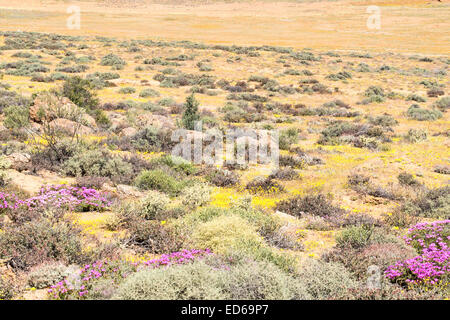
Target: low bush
{"x":39,"y":241}
{"x":311,"y":204}
{"x":284,"y":174}
{"x":222,"y":177}
{"x":158,"y":180}
{"x":79,"y":91}
{"x":152,"y":236}
{"x":358,"y":261}
{"x":416,"y":135}
{"x":154,"y":205}
{"x":434,"y":203}
{"x":253,"y":280}
{"x":417,"y":113}
{"x":127,"y":90}
{"x":149,"y":93}
{"x":287,"y":138}
{"x":196,"y":281}
{"x":355,"y":237}
{"x":442,"y":104}
{"x":196,"y":195}
{"x":221,"y":233}
{"x":442,"y":169}
{"x":47,"y":274}
{"x":324,"y":281}
{"x":407,"y":179}
{"x":97,"y":163}
{"x":264,"y":185}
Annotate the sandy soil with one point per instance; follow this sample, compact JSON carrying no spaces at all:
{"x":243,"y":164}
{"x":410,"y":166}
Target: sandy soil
{"x":406,"y":26}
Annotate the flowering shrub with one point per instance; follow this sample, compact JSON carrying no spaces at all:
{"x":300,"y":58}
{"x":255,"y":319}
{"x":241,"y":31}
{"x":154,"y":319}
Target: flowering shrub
{"x":177,"y":257}
{"x":422,"y":235}
{"x":73,"y":198}
{"x":432,"y":266}
{"x":78,"y":286}
{"x":85,"y":284}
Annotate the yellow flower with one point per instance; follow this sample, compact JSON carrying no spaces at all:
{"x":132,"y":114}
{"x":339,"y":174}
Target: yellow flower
{"x":163,"y":222}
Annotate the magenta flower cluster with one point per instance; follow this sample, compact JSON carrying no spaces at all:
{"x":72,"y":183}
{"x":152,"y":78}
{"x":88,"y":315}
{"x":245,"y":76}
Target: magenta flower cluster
{"x":179,"y":257}
{"x":57,"y":196}
{"x":115,"y":271}
{"x":78,"y":287}
{"x":422,"y":235}
{"x":432,"y":266}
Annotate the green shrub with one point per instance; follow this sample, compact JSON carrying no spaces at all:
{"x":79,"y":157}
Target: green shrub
{"x":222,"y":177}
{"x":354,"y":237}
{"x":417,"y":113}
{"x":16,"y":117}
{"x":176,"y":163}
{"x":8,"y":288}
{"x":325,"y":281}
{"x":252,"y":280}
{"x":47,"y":274}
{"x":264,"y":185}
{"x":221,"y":233}
{"x":148,"y":93}
{"x":407,"y":179}
{"x":442,"y":104}
{"x":11,"y":98}
{"x":158,"y":180}
{"x":112,"y":60}
{"x":127,"y":90}
{"x":79,"y":91}
{"x":196,"y":195}
{"x":97,"y":163}
{"x":415,"y":97}
{"x":400,"y":219}
{"x":284,"y":174}
{"x":287,"y":138}
{"x":154,"y":205}
{"x":190,"y":114}
{"x":194,"y":281}
{"x":416,"y":135}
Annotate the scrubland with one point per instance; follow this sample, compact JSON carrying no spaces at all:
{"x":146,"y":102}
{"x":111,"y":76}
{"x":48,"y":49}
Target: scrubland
{"x":94,"y":206}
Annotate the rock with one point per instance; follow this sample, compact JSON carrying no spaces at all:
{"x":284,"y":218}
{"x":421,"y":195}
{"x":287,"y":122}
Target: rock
{"x":48,"y":107}
{"x":19,"y":160}
{"x":68,"y":126}
{"x":128,"y":132}
{"x":156,"y":120}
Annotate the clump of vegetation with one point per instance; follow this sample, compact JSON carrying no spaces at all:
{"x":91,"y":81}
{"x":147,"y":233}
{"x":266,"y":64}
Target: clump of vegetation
{"x":416,"y":135}
{"x":443,"y":104}
{"x":113,"y":60}
{"x":190,"y":114}
{"x":433,"y":203}
{"x":417,"y":113}
{"x":311,"y":204}
{"x":158,"y":180}
{"x":264,"y":185}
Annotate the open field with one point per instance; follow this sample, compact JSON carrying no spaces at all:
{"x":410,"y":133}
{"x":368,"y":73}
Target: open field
{"x":407,"y":26}
{"x":88,"y":181}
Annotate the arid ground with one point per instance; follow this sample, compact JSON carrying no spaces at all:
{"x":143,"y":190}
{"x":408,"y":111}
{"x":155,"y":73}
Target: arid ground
{"x":87,"y":114}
